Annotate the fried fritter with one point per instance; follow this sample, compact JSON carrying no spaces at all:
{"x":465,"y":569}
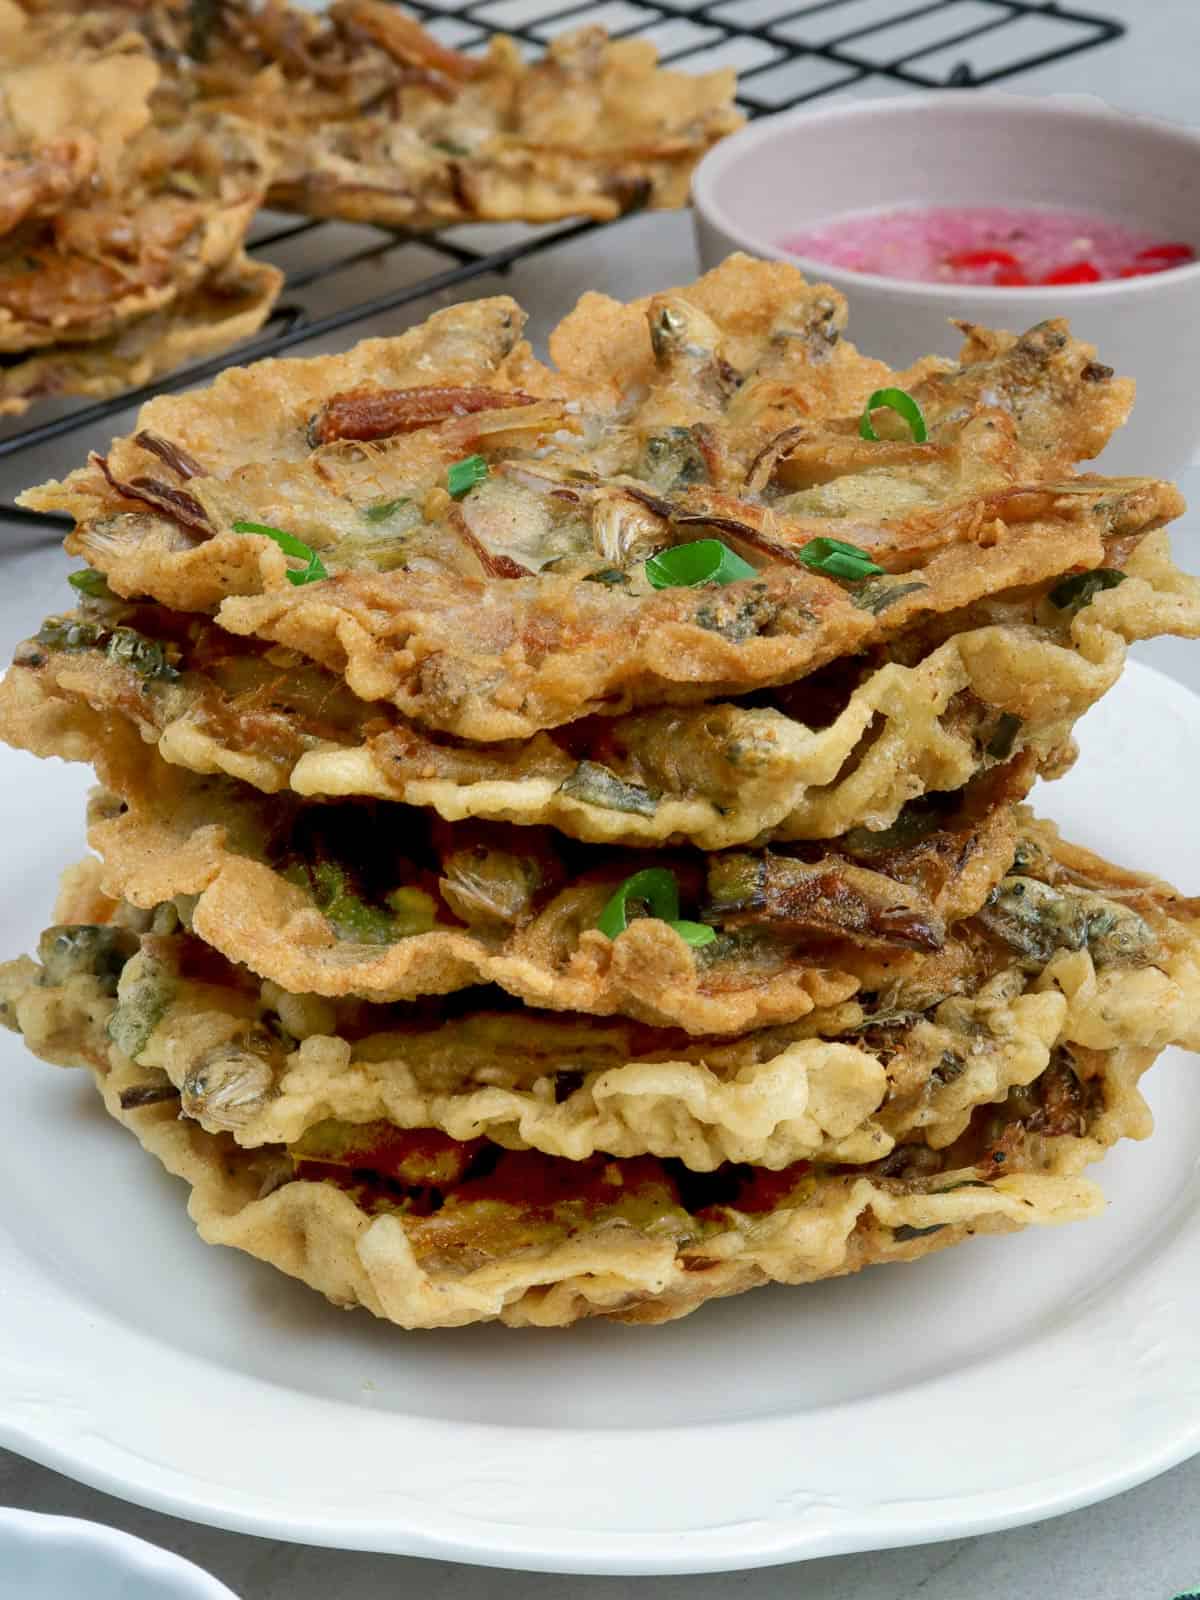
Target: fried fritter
{"x":294,"y":1145}
{"x":850,"y":1084}
{"x":120,"y":237}
{"x":355,"y":900}
{"x":358,"y":900}
{"x":844,"y":749}
{"x":523,"y":604}
{"x":227,"y":307}
{"x":427,"y":1232}
{"x":72,"y":95}
{"x":374,"y":121}
{"x":180,"y":214}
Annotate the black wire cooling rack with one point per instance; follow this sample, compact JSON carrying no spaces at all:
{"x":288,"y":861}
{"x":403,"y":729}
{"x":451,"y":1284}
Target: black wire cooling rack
{"x":785,"y":53}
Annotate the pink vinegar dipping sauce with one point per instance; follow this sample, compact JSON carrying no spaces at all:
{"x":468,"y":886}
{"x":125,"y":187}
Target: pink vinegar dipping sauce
{"x":1004,"y":246}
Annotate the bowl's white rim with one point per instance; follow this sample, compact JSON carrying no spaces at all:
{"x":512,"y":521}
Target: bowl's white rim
{"x":129,"y":1553}
{"x":1066,"y":107}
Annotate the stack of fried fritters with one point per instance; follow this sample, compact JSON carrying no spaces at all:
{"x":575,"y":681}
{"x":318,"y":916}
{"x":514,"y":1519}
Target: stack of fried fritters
{"x":562,"y":847}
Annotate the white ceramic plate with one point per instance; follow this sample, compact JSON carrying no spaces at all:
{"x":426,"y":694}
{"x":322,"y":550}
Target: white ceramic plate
{"x":991,"y":1385}
{"x":53,"y":1558}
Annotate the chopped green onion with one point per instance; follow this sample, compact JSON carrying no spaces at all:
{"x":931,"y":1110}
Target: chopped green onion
{"x":657,"y":890}
{"x":90,"y":582}
{"x":383,"y":509}
{"x":1072,"y":594}
{"x":903,"y":404}
{"x":655,"y":886}
{"x":836,"y":559}
{"x":463,"y":475}
{"x":291,"y":546}
{"x":685,"y":566}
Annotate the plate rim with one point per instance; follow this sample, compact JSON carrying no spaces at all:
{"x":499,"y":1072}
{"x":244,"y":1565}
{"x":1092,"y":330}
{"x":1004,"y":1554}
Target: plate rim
{"x":61,"y":1427}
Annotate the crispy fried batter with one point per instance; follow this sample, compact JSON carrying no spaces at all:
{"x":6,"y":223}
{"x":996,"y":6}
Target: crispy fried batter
{"x":715,"y":776}
{"x":348,"y":901}
{"x":523,"y":926}
{"x":848,"y":1084}
{"x":270,"y":1068}
{"x":296,"y":1161}
{"x":531,"y":1240}
{"x":618,"y":456}
{"x":228,"y":306}
{"x":178,"y":216}
{"x":73,"y":92}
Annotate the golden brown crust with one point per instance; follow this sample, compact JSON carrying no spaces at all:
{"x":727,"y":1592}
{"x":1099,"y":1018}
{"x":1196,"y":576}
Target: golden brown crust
{"x":271,"y":1068}
{"x":533,"y":1239}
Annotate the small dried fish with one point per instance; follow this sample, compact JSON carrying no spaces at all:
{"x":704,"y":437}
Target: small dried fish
{"x":364,"y":414}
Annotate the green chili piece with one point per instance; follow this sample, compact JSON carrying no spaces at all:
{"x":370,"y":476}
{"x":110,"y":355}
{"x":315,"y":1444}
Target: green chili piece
{"x":656,"y":888}
{"x":1072,"y":594}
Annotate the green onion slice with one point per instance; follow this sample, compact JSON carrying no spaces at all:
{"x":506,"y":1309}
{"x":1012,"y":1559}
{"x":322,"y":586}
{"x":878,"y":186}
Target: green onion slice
{"x":291,"y":546}
{"x":657,"y":890}
{"x":837,"y":559}
{"x":703,"y":561}
{"x":903,"y":404}
{"x":383,"y":509}
{"x":462,"y":476}
{"x":1072,"y":594}
{"x":90,"y":582}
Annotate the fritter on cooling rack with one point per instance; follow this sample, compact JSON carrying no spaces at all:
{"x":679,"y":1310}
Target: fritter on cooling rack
{"x":374,"y":121}
{"x":120,"y":239}
{"x":226,"y":307}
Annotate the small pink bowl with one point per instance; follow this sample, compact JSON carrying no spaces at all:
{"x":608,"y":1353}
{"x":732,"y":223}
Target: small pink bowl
{"x":974,"y":148}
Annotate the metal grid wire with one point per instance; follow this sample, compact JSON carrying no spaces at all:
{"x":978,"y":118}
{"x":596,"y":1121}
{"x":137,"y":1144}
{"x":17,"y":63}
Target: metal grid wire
{"x":785,"y":53}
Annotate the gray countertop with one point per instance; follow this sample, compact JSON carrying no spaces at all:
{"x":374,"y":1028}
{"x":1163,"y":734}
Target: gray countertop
{"x":1145,"y":1545}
